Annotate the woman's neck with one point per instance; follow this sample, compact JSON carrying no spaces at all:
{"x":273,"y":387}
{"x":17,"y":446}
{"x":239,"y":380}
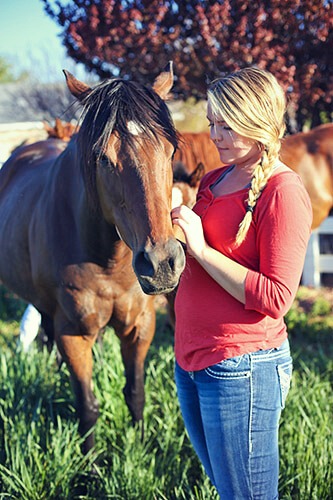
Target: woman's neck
{"x":247,"y":165}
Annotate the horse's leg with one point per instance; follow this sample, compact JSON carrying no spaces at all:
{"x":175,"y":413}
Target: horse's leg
{"x":76,"y":351}
{"x":134,"y":348}
{"x":171,"y":309}
{"x":48,"y":327}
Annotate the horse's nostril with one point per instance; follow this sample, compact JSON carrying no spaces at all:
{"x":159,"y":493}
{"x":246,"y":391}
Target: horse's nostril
{"x":172,"y":264}
{"x":143,"y":265}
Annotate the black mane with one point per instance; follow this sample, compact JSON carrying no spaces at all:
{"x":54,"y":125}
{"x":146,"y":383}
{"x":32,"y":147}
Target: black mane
{"x":113,"y":103}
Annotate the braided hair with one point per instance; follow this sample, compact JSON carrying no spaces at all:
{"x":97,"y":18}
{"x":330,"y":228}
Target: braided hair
{"x":253,"y":104}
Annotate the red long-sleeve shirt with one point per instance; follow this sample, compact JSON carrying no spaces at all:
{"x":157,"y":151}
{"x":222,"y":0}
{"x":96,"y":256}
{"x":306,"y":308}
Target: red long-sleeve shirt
{"x":211,"y":325}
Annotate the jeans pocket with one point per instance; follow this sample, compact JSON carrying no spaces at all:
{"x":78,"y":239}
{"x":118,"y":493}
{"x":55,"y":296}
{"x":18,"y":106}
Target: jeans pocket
{"x":232,"y":368}
{"x":284,"y":371}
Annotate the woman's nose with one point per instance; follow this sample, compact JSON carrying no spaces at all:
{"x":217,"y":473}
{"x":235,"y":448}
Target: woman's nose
{"x":214,"y":134}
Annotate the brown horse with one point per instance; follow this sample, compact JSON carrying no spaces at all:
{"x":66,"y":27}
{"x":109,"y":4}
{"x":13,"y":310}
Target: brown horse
{"x":195,"y":148}
{"x":310,"y":154}
{"x":86,"y":233}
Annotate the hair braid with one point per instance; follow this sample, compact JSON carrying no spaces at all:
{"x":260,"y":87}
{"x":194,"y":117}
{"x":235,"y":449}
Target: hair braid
{"x":260,"y":176}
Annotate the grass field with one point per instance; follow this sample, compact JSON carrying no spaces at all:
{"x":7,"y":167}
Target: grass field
{"x":40,"y":454}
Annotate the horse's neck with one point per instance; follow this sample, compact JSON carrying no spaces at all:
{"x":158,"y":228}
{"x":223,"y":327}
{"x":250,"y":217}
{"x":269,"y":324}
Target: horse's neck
{"x":100,"y":239}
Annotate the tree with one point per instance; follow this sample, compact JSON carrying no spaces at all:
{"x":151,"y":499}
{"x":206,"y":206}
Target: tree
{"x":293,"y":39}
{"x":40,"y":101}
{"x":7,"y":72}
{"x":40,"y":92}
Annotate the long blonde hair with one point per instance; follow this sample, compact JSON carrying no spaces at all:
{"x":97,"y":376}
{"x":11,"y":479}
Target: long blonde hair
{"x":253,"y":104}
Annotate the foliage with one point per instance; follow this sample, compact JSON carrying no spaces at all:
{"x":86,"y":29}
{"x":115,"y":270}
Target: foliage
{"x":292,"y":39}
{"x":311,"y":318}
{"x":7,"y":72}
{"x":40,"y":448}
{"x":11,"y":306}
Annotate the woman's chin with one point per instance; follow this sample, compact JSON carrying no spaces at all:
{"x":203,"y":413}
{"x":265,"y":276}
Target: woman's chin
{"x":225,"y":157}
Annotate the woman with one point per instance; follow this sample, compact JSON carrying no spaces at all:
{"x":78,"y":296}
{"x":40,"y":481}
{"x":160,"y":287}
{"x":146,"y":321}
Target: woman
{"x":246,"y":241}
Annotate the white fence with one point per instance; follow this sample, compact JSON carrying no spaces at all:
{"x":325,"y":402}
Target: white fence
{"x":315,"y":262}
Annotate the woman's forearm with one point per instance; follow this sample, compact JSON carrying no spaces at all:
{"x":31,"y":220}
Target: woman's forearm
{"x":227,"y":273}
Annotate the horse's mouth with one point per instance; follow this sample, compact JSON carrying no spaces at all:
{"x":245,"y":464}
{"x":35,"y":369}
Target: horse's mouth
{"x":151,"y":288}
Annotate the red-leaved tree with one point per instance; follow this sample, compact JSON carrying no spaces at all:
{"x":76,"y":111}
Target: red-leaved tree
{"x":136,"y":38}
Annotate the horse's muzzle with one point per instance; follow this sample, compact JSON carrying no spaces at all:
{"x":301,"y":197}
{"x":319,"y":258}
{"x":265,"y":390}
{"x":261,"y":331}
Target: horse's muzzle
{"x":158,"y":269}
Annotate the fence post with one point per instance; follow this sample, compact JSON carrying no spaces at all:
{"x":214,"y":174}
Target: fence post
{"x":311,"y":274}
{"x":315,"y":262}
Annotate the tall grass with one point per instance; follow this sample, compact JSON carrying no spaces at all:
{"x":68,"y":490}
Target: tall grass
{"x":40,"y":455}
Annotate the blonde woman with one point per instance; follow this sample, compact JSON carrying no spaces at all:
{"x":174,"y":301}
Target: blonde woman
{"x":246,"y":241}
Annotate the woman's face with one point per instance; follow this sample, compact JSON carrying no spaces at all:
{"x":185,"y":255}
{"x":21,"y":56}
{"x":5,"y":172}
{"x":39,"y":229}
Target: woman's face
{"x":232,"y":147}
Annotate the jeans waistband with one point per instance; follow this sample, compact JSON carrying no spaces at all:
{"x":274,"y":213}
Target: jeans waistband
{"x":277,"y":352}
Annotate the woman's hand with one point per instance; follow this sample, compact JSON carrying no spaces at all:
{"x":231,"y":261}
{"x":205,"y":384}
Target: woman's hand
{"x":229,"y":274}
{"x":191,"y":225}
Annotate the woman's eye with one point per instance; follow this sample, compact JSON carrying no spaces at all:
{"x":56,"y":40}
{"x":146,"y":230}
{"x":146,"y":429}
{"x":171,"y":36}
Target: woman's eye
{"x":219,"y":124}
{"x":223,"y":125}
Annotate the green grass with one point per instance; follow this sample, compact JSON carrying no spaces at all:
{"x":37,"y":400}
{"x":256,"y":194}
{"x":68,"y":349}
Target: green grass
{"x":40,"y":455}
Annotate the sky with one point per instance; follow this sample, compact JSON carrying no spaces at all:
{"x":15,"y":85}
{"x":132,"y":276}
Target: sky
{"x":29,"y":38}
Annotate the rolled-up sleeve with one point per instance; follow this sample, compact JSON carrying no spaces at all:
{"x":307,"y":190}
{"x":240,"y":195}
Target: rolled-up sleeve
{"x":283,"y":221}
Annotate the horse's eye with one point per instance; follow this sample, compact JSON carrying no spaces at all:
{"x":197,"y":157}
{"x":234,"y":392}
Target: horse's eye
{"x":105,"y":162}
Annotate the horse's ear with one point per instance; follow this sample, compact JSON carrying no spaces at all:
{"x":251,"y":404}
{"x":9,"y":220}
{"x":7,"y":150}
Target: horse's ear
{"x":78,"y":89}
{"x":164,"y":81}
{"x":47,"y":128}
{"x":59,"y":128}
{"x":197,"y":175}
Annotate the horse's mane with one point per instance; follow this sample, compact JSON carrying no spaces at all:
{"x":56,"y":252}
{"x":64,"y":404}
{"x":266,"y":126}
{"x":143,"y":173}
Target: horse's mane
{"x":109,"y":107}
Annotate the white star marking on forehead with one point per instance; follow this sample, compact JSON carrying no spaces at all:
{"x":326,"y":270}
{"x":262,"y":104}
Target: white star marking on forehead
{"x":134,"y":128}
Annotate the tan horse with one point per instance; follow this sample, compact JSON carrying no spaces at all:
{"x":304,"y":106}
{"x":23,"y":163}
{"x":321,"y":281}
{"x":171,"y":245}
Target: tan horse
{"x":310,"y":154}
{"x":86,"y":233}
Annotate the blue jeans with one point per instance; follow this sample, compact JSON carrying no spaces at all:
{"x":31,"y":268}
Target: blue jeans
{"x":231,"y":412}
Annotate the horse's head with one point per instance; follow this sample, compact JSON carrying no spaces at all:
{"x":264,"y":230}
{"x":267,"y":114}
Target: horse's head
{"x":126,"y":143}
